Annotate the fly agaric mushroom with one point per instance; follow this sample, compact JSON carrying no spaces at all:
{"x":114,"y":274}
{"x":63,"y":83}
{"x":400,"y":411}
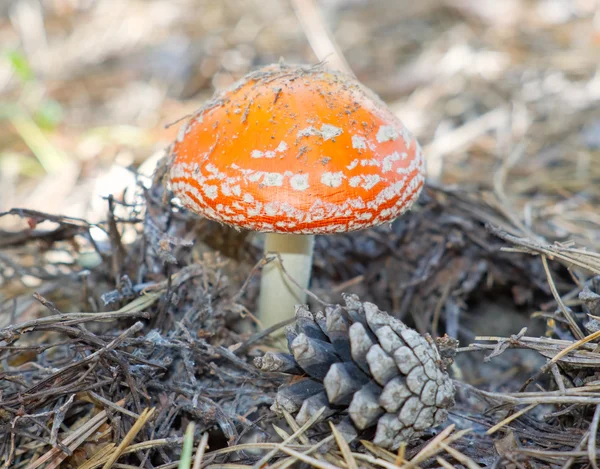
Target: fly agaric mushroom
{"x":295,"y":151}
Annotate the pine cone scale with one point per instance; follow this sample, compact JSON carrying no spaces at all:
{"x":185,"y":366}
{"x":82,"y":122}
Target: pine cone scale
{"x":342,"y":381}
{"x":364,"y":410}
{"x":381,"y":365}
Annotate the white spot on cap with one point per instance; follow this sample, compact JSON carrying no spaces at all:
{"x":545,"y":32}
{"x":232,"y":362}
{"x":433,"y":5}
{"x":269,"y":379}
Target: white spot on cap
{"x":282,"y":147}
{"x":389,"y":160}
{"x":255,"y":211}
{"x":357,"y":203}
{"x":272,"y":179}
{"x":210,"y":191}
{"x":178,"y":171}
{"x":271,"y":209}
{"x":332,"y":179}
{"x":308,"y":131}
{"x":370,"y":181}
{"x":385,"y":213}
{"x":255,"y":177}
{"x":353,"y":165}
{"x":366,"y":181}
{"x":387,"y":133}
{"x":299,"y":182}
{"x":329,"y":131}
{"x":359,"y":143}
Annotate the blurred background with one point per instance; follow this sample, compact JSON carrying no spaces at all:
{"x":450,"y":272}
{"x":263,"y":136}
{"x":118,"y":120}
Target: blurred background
{"x":503,"y":94}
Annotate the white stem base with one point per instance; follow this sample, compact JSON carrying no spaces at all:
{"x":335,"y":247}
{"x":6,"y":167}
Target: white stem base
{"x":278,"y":295}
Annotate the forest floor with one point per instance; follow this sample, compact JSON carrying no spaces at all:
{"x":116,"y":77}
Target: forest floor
{"x":124,"y":318}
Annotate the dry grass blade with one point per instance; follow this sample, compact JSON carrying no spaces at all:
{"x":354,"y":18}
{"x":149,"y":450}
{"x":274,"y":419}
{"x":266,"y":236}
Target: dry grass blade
{"x":251,"y":447}
{"x":145,"y":445}
{"x":401,"y":456}
{"x":570,"y":348}
{"x":284,"y":464}
{"x":112,"y":405}
{"x":510,"y":418}
{"x":72,"y":441}
{"x":374,"y":461}
{"x":379,"y":452}
{"x":569,"y":256}
{"x":98,"y":458}
{"x":230,"y":449}
{"x":344,"y":448}
{"x":568,"y":316}
{"x":200,"y":451}
{"x":281,"y":432}
{"x":460,"y":457}
{"x":71,"y":318}
{"x":592,"y":438}
{"x":434,"y":447}
{"x":291,"y":438}
{"x":291,"y":421}
{"x":131,"y":434}
{"x":569,"y":462}
{"x":307,"y":459}
{"x":445,"y":464}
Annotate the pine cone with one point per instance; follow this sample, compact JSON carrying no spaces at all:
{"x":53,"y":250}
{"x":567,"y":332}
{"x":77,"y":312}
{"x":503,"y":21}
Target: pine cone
{"x":363,"y":363}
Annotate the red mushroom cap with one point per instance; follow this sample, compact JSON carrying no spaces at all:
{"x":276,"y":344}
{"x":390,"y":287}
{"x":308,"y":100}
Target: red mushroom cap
{"x":294,"y":149}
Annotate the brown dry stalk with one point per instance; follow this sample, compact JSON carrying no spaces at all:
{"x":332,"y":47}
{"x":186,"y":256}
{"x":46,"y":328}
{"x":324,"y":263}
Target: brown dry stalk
{"x":131,"y":434}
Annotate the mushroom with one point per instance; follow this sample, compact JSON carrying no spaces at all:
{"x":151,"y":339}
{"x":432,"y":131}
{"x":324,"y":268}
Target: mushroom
{"x":295,"y":151}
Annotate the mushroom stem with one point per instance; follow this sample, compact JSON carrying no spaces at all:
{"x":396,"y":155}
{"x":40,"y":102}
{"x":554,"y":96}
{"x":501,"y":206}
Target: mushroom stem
{"x":278,"y":294}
